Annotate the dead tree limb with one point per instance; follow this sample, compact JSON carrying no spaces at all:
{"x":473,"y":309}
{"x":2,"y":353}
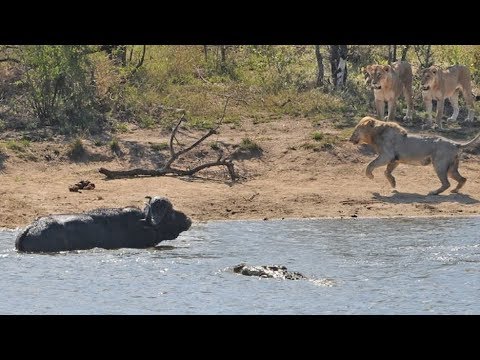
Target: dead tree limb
{"x":199,"y":74}
{"x":11,"y":60}
{"x":167,"y":168}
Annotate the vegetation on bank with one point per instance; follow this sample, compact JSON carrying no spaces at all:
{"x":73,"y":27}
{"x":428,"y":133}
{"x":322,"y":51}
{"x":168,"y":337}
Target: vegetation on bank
{"x":83,"y":90}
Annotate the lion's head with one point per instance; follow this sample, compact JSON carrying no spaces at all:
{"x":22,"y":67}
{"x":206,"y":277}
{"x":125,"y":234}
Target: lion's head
{"x":378,"y":76}
{"x":368,"y":129}
{"x":430,"y":78}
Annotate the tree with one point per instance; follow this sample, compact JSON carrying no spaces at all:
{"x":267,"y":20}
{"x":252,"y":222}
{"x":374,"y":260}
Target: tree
{"x":58,"y":83}
{"x":392,"y":53}
{"x":117,"y":53}
{"x":338,"y":64}
{"x":424,"y":55}
{"x":404,"y":52}
{"x":321,"y":70}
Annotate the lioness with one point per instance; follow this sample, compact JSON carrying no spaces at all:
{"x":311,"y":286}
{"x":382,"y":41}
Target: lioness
{"x":395,"y":146}
{"x":388,"y":83}
{"x":438,"y":84}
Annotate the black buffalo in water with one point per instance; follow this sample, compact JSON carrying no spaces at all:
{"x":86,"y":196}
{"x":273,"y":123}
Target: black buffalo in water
{"x":127,"y":227}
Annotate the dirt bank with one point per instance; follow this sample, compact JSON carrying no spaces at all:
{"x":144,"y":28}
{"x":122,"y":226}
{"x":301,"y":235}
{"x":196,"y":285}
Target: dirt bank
{"x":291,"y":177}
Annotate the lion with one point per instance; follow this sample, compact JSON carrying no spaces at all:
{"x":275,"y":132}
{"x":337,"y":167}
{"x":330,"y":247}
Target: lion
{"x":395,"y":146}
{"x":388,"y":83}
{"x":438,"y":84}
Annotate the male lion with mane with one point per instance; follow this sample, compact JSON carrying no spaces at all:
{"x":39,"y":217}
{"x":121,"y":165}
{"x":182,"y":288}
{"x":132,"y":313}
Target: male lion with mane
{"x":388,"y":83}
{"x":438,"y":84}
{"x":395,"y":146}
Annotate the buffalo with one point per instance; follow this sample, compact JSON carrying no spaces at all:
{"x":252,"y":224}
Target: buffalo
{"x":113,"y":228}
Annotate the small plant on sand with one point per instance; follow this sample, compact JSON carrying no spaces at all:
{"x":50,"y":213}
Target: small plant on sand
{"x":322,"y":141}
{"x":17,"y":145}
{"x":248,"y":144}
{"x":214,"y":145}
{"x":318,"y":136}
{"x":121,"y":127}
{"x":159,"y":147}
{"x":114,"y":145}
{"x":76,"y":149}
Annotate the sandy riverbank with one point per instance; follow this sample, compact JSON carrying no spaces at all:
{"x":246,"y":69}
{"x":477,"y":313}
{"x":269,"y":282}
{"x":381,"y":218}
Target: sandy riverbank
{"x":286,"y":180}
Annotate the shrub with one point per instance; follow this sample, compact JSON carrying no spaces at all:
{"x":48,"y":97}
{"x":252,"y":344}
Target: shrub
{"x":76,"y":149}
{"x":58,"y":84}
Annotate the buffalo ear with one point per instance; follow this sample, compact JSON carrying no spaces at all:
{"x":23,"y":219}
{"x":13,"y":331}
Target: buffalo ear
{"x":386,"y":68}
{"x":368,"y":68}
{"x":434,"y":71}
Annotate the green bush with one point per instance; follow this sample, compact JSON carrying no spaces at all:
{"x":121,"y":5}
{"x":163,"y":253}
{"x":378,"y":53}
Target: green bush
{"x":58,"y":84}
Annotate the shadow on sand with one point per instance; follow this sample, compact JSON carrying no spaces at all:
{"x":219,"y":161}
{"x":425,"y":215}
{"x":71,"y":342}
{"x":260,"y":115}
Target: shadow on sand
{"x":410,"y":198}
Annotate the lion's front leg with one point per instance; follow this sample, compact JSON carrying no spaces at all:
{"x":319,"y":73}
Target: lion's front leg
{"x":427,"y":100}
{"x":440,"y":107}
{"x":391,"y":110}
{"x":388,"y":173}
{"x":381,"y":160}
{"x":380,"y":107}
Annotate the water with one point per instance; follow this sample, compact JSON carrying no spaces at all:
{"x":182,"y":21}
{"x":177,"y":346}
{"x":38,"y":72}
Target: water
{"x":358,"y":266}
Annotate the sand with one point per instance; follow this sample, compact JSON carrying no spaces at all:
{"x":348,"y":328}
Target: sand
{"x":285,"y":181}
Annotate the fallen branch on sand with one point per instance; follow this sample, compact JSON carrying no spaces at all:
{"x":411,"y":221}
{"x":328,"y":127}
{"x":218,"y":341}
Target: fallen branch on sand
{"x":169,"y":169}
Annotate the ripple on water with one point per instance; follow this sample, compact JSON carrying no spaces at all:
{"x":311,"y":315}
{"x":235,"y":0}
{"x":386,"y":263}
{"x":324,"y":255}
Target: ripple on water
{"x":366,"y":266}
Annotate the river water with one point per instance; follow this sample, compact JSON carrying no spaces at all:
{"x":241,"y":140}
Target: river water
{"x":355,"y":266}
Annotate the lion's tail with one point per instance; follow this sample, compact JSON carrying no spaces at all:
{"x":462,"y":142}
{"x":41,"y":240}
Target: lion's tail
{"x":471,"y":144}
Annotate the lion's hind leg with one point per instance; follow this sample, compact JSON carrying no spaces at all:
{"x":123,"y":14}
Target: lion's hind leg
{"x":441,"y":168}
{"x":454,"y":101}
{"x":454,"y":174}
{"x":468,"y":95}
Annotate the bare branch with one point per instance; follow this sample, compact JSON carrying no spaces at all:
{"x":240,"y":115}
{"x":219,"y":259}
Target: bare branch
{"x":196,"y":143}
{"x":132,"y":173}
{"x":197,"y":70}
{"x":224,"y":111}
{"x":233,"y":98}
{"x":10,"y":59}
{"x":168,"y":169}
{"x":172,"y":136}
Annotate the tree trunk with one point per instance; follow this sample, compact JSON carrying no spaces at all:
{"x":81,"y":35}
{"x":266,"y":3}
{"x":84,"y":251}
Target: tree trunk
{"x":424,"y":55}
{"x":321,"y":71}
{"x":392,"y":53}
{"x":223,"y":57}
{"x":428,"y":56}
{"x":404,"y":52}
{"x":338,"y":63}
{"x":334,"y":57}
